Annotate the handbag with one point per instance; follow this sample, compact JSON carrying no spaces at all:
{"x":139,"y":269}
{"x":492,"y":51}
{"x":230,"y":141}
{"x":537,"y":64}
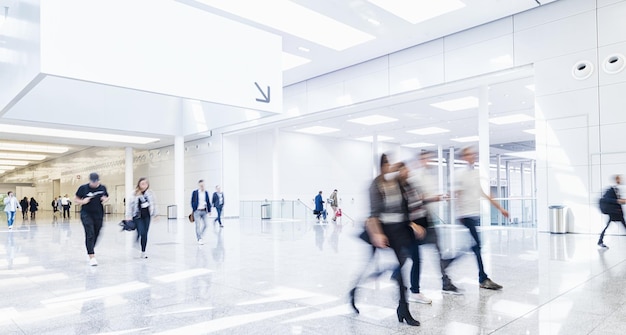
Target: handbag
{"x":128,"y":225}
{"x":191,"y":218}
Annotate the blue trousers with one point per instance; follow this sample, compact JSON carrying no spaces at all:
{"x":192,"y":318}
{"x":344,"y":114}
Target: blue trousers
{"x":471,"y":223}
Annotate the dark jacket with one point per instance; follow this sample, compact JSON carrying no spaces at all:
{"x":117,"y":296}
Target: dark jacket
{"x":609,"y":205}
{"x":194,"y":200}
{"x":24,"y":205}
{"x":216,"y":200}
{"x":33,"y":205}
{"x":319,"y":203}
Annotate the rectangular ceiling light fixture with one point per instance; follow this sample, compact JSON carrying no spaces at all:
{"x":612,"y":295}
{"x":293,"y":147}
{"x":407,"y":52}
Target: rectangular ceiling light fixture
{"x":418,"y":11}
{"x":297,"y":20}
{"x":13,"y":162}
{"x":318,"y":130}
{"x":428,"y":131}
{"x":465,"y":139}
{"x":530,"y":87}
{"x":373,"y":120}
{"x":82,"y":135}
{"x":513,"y":118}
{"x":52,"y":149}
{"x":459,"y":104}
{"x":380,"y":138}
{"x":13,"y":155}
{"x":530,"y":131}
{"x":418,"y":145}
{"x":290,"y":61}
{"x":6,"y":167}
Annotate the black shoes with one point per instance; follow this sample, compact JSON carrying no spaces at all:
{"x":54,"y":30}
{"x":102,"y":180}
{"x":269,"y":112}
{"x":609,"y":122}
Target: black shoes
{"x":601,"y":245}
{"x":404,"y":315}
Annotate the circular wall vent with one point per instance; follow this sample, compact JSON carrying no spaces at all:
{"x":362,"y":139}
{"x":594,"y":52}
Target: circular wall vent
{"x":582,"y":70}
{"x":614,"y":63}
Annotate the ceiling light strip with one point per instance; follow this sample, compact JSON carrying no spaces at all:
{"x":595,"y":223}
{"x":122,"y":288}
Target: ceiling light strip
{"x":296,"y":20}
{"x":83,"y":135}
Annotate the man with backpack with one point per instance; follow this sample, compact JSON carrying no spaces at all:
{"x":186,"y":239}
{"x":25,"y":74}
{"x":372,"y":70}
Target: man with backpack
{"x":611,"y":204}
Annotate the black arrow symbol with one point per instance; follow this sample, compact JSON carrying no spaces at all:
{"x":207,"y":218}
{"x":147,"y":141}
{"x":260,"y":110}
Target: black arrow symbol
{"x":266,"y":98}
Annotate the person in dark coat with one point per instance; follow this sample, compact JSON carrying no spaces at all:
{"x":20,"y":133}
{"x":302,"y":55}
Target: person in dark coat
{"x":611,"y":204}
{"x":33,"y":207}
{"x":319,"y":207}
{"x":24,"y":205}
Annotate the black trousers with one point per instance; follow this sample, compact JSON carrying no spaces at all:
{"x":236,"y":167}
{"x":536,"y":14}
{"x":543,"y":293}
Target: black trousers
{"x":66,"y":209}
{"x":611,"y":219}
{"x":400,"y":238}
{"x":143,"y":224}
{"x":92,"y":223}
{"x":431,"y":238}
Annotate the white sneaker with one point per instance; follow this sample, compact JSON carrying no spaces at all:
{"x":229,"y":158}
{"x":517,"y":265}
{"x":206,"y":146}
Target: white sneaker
{"x":143,"y":255}
{"x":93,"y":262}
{"x":419,"y":298}
{"x":200,"y":242}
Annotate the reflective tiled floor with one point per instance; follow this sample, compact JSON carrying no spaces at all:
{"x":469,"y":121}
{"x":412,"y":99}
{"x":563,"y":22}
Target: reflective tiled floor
{"x":284,"y":277}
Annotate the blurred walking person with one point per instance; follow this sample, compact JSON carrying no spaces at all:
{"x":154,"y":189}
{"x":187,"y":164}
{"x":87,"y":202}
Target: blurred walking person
{"x":201,"y":206}
{"x":611,"y":204}
{"x":91,"y":196}
{"x":33,"y":207}
{"x":11,"y":205}
{"x":24,"y":204}
{"x":218,"y":203}
{"x":142,"y":207}
{"x":388,"y":226}
{"x":469,"y":194}
{"x":334,"y":203}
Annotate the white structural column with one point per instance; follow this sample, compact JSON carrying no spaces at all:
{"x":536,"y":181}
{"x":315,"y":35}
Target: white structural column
{"x":275,"y":166}
{"x":440,"y":190}
{"x":375,"y":157}
{"x":483,"y":151}
{"x":128,"y":176}
{"x":179,"y":176}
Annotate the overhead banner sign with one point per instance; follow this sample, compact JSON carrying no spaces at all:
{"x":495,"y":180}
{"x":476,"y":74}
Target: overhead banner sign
{"x":164,"y":47}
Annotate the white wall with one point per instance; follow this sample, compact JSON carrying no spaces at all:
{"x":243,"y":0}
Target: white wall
{"x":304,"y":165}
{"x":578,"y":121}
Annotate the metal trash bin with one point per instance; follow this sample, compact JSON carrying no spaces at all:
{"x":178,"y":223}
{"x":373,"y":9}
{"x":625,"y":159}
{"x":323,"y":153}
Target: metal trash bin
{"x":171,"y":211}
{"x":558,"y":219}
{"x":266,"y":212}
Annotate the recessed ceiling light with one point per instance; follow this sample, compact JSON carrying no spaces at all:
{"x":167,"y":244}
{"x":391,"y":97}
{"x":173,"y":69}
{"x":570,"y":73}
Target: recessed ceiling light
{"x":457,"y":104}
{"x":374,"y":22}
{"x":290,"y":61}
{"x":12,"y":162}
{"x":523,"y":154}
{"x":379,"y":138}
{"x":418,"y":11}
{"x":514,"y":118}
{"x":373,"y":120}
{"x":11,"y":146}
{"x":13,"y":155}
{"x":317,"y":130}
{"x":83,"y":135}
{"x":418,"y":145}
{"x":6,"y":167}
{"x":466,"y":139}
{"x":304,"y":49}
{"x":295,"y":20}
{"x":428,"y":131}
{"x":530,"y":131}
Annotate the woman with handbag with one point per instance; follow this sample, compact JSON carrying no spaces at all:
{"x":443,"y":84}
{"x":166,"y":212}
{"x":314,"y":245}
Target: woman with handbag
{"x":141,"y":208}
{"x":389,"y":227}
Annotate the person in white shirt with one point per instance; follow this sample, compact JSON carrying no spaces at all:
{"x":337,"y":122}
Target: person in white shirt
{"x":425,"y":185}
{"x":469,"y":194}
{"x":11,"y":205}
{"x":201,"y":206}
{"x":65,"y":203}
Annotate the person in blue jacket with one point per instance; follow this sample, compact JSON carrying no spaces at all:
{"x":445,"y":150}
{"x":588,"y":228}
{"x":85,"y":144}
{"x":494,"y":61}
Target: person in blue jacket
{"x":319,"y":207}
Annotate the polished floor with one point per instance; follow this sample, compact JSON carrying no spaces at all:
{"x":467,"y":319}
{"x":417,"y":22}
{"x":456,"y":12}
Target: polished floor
{"x":286,"y":277}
